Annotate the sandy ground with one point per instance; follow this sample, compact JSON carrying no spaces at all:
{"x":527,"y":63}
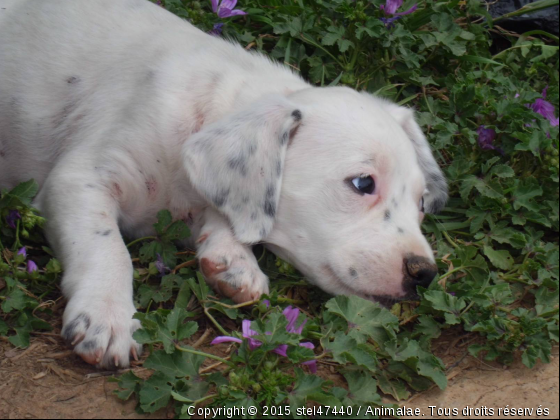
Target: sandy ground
{"x":48,"y":381}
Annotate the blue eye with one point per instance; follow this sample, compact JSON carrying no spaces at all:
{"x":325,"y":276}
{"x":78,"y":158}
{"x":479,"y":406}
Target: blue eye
{"x":364,"y":184}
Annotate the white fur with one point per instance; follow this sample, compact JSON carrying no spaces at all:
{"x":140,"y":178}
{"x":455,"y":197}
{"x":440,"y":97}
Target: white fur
{"x":120,"y":109}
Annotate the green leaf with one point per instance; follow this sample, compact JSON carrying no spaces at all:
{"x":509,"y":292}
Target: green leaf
{"x":155,"y":393}
{"x":165,"y":327}
{"x":22,"y":194}
{"x":365,"y":318}
{"x":449,"y":304}
{"x":129,"y":384}
{"x":346,"y":350}
{"x":164,"y":219}
{"x":499,"y":258}
{"x":176,"y":365}
{"x":362,"y":389}
{"x":394,"y":387}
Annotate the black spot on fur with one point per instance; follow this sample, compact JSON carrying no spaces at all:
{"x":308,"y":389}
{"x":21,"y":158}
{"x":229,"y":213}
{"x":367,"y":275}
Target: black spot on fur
{"x":387,"y":215}
{"x":284,"y":138}
{"x":269,"y":208}
{"x":89,"y":345}
{"x":90,"y":186}
{"x":69,"y":330}
{"x":99,"y":329}
{"x":400,"y":230}
{"x":353,"y":272}
{"x":253,"y":146}
{"x":107,"y":232}
{"x":238,"y":164}
{"x":296,"y":115}
{"x":270,"y":191}
{"x":72,"y":80}
{"x":221,"y":198}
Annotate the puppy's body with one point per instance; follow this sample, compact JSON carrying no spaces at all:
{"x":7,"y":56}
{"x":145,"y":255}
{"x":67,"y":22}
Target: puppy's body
{"x":129,"y":83}
{"x":120,"y":109}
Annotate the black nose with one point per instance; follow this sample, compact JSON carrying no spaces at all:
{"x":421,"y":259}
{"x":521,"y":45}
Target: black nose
{"x":421,"y":271}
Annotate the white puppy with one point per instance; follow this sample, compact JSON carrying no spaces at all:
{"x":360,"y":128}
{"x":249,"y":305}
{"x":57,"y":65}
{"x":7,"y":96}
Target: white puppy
{"x":120,"y":109}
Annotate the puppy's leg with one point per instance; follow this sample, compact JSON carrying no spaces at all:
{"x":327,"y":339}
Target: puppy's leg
{"x":228,"y":266}
{"x":82,"y":226}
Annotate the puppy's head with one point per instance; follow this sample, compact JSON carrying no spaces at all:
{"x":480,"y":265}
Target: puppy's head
{"x":334,"y":181}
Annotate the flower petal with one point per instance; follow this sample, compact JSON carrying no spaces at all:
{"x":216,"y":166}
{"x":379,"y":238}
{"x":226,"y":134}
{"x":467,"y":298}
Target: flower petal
{"x":228,"y":4}
{"x":217,"y":29}
{"x":214,"y":5}
{"x":408,"y":12}
{"x":246,"y":328}
{"x":291,"y":315}
{"x":23,"y":252}
{"x":31,"y":267}
{"x":486,"y":137}
{"x":312,"y":364}
{"x":546,"y":109}
{"x":281,"y":350}
{"x":309,"y":346}
{"x":237,"y":12}
{"x":299,"y":329}
{"x":253,"y":344}
{"x":11,"y":218}
{"x":225,"y":12}
{"x":391,"y":6}
{"x":226,"y":339}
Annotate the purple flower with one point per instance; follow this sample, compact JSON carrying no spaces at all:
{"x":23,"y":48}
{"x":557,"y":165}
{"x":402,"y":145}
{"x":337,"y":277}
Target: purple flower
{"x":545,"y":108}
{"x":225,"y":8}
{"x":217,"y":29}
{"x":389,"y":22}
{"x":11,"y":218}
{"x":31,"y":267}
{"x":23,"y":252}
{"x":225,"y":339}
{"x":160,"y":265}
{"x":292,"y":315}
{"x":390,"y":9}
{"x":486,"y":137}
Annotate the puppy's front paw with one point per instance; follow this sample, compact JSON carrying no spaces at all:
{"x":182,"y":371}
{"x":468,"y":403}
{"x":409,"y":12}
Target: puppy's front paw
{"x":101,"y":331}
{"x":236,"y":276}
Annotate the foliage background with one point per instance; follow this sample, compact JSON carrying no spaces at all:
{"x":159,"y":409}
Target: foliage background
{"x":474,"y":86}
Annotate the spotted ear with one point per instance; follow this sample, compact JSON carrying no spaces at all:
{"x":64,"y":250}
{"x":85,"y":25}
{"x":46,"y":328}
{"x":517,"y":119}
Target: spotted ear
{"x":237,"y":163}
{"x":437,"y":194}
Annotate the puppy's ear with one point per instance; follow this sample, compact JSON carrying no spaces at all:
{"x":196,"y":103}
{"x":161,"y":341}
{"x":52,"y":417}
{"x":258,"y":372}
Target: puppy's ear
{"x":436,"y":197}
{"x":237,"y":163}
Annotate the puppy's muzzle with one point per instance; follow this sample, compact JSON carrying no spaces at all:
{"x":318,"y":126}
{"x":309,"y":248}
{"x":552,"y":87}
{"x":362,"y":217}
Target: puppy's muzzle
{"x":419,"y":271}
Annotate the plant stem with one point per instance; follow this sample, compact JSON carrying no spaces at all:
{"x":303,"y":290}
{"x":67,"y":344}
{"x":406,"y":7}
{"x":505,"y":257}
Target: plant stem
{"x":208,"y":355}
{"x":453,"y":244}
{"x":213,"y":320}
{"x":145,"y":238}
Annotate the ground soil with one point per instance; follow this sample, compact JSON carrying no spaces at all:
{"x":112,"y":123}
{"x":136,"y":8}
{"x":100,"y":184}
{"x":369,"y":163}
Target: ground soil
{"x":48,"y":381}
